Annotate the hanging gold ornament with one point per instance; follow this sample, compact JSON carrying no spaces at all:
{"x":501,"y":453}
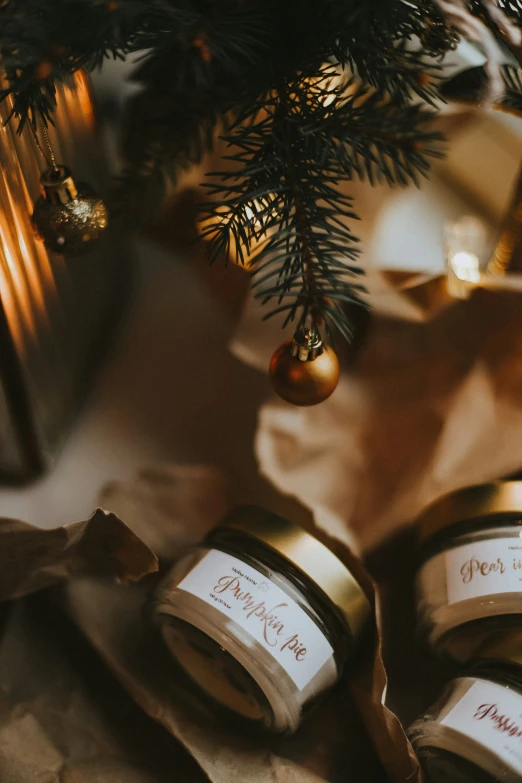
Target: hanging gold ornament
{"x":304,"y":371}
{"x":68,"y":218}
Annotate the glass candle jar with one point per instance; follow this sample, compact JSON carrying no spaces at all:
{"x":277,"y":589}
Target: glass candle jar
{"x":262,"y":617}
{"x":469,"y":581}
{"x":473,"y":734}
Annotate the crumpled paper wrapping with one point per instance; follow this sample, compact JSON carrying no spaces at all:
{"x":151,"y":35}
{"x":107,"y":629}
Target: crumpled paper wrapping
{"x":171,"y":507}
{"x":52,"y":726}
{"x":31,"y":559}
{"x":64,"y":719}
{"x":431,"y":405}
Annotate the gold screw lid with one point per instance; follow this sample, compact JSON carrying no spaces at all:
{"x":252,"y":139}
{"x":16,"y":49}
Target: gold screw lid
{"x":502,"y":647}
{"x":479,"y":502}
{"x":308,"y":555}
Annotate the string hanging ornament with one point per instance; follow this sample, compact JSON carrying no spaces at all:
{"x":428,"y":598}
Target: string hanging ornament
{"x":69,"y":217}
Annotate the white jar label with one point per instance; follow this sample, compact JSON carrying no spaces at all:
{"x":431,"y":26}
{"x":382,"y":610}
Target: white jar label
{"x":484,"y":568}
{"x":491,"y":715}
{"x":265,"y":611}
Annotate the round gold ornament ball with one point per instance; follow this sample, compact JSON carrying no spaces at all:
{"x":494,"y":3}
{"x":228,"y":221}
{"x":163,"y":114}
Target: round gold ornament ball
{"x":69,"y":218}
{"x":301,"y":382}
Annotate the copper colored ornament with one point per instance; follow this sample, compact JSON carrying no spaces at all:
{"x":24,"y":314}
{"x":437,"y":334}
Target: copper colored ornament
{"x":68,"y":217}
{"x":303,"y":371}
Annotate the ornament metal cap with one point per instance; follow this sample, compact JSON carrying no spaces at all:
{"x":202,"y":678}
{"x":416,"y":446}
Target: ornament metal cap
{"x":58,"y":185}
{"x":308,"y":555}
{"x":479,"y":502}
{"x":307,"y":344}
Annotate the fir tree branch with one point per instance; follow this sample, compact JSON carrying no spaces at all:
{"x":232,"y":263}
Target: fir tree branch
{"x":297,"y":136}
{"x":294,"y":154}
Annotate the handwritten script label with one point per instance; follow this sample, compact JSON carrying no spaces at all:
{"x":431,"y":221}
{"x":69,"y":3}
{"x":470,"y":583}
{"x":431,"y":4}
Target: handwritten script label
{"x":266,"y":612}
{"x":484,"y":568}
{"x":491,"y":715}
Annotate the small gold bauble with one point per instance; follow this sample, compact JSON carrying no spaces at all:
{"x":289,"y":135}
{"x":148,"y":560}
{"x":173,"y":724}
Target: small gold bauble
{"x":68,"y":218}
{"x":304,"y":381}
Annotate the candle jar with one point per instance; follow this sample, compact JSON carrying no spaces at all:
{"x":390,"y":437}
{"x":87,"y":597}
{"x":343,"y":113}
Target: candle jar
{"x":262,"y":617}
{"x":469,"y":581}
{"x":473,"y":733}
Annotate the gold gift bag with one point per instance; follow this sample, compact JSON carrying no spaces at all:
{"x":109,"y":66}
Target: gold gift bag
{"x":55,"y":313}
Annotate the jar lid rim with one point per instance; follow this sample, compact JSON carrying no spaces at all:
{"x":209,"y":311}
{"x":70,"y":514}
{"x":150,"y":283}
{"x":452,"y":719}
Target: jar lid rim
{"x":309,"y":556}
{"x":477,"y":502}
{"x":502,"y":647}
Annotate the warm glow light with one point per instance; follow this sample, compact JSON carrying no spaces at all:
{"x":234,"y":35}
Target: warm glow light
{"x":466,"y":266}
{"x":256,"y":214}
{"x":331,"y":85}
{"x":326,"y":88}
{"x":466,"y":245}
{"x":250,"y":215}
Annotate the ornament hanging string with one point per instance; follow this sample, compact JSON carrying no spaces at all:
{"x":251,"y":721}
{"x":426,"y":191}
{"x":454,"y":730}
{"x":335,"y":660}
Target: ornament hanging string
{"x":51,"y":160}
{"x":48,"y":143}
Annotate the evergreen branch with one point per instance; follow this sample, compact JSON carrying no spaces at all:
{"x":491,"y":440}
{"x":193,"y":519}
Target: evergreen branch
{"x":293,"y":155}
{"x":372,"y":136}
{"x":512,"y":99}
{"x":310,"y":96}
